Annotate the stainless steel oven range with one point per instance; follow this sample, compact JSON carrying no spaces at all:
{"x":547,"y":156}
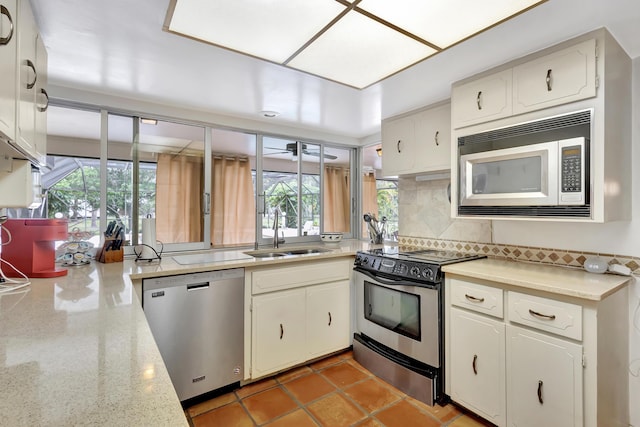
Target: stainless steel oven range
{"x":399,"y":318}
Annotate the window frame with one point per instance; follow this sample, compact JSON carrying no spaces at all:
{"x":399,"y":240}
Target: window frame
{"x":105,"y":112}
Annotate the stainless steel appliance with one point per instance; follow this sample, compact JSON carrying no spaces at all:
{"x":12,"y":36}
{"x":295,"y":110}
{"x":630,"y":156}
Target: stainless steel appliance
{"x":539,"y":168}
{"x":399,"y":318}
{"x":197,"y":322}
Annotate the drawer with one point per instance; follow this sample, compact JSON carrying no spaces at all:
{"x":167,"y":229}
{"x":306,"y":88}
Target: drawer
{"x":548,"y":315}
{"x":476,"y":297}
{"x":300,"y":274}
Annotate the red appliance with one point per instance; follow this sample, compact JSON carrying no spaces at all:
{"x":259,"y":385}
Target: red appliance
{"x":32,"y":247}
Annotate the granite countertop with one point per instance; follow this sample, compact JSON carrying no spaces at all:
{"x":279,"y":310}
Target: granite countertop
{"x":553,"y":279}
{"x":77,"y":349}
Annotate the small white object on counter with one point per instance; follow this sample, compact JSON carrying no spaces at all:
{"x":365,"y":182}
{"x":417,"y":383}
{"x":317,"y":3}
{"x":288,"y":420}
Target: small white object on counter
{"x":620,"y":269}
{"x":595,"y":265}
{"x":331,"y":237}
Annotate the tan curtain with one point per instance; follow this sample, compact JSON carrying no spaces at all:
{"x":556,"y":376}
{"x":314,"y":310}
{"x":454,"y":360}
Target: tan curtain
{"x":369,"y":199}
{"x":179,"y":187}
{"x":336,"y":199}
{"x":233,"y":218}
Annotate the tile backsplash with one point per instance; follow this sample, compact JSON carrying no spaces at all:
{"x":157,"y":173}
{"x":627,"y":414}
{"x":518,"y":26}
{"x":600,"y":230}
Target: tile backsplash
{"x":425,"y":223}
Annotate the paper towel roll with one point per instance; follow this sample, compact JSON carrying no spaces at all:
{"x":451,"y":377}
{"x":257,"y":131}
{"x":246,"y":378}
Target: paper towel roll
{"x":148,"y":238}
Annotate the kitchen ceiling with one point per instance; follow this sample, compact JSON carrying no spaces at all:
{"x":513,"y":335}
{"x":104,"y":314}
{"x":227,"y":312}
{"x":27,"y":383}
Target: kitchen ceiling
{"x":119,"y":48}
{"x":356,"y":42}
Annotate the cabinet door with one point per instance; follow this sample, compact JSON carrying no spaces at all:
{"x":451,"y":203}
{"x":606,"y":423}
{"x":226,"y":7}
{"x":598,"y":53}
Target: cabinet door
{"x":278,"y":331}
{"x":25,"y":138}
{"x":433,"y":139}
{"x":328,"y":318}
{"x":559,"y":78}
{"x":398,"y":153}
{"x":478,"y":364}
{"x":545,"y":380}
{"x":482,"y":100}
{"x":8,"y":52}
{"x":42,"y":103}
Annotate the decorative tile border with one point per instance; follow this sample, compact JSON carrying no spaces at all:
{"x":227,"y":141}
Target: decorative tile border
{"x":561,"y":257}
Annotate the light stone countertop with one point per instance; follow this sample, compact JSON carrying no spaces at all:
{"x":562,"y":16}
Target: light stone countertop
{"x":77,"y":349}
{"x":553,"y":279}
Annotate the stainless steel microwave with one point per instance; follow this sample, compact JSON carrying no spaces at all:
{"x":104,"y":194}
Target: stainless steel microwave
{"x":539,"y":168}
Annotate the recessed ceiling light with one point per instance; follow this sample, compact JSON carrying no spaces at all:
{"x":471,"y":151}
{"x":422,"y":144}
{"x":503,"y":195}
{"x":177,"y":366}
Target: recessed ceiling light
{"x":356,"y":43}
{"x":269,"y":114}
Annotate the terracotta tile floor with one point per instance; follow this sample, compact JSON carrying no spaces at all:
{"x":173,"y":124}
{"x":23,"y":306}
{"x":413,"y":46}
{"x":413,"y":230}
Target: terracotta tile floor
{"x":333,"y":392}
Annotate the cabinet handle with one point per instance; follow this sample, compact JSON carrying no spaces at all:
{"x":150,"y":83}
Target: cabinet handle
{"x":549,"y":80}
{"x":540,"y":392}
{"x":370,"y":310}
{"x":473,"y":299}
{"x":5,"y":40}
{"x":35,"y":74}
{"x":329,"y":319}
{"x":542,"y":316}
{"x":398,"y":146}
{"x":473,"y":365}
{"x":46,"y":105}
{"x":436,"y":137}
{"x":281,"y":331}
{"x":478,"y":98}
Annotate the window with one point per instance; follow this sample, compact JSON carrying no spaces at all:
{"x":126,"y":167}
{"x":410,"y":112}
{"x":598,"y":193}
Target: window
{"x":379,"y":195}
{"x":307,"y":185}
{"x":204,"y":186}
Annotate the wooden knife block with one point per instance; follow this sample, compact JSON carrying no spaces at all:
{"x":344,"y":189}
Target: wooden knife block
{"x":111,"y":255}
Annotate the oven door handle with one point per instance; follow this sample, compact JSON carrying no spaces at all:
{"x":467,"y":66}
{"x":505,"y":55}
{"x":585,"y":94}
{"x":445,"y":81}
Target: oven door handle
{"x":390,"y":282}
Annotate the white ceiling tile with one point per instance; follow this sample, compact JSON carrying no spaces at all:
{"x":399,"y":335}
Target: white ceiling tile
{"x":269,"y":29}
{"x":359,"y":51}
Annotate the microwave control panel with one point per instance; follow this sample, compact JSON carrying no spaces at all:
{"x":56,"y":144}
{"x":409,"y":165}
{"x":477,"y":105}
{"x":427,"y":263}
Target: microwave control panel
{"x":572,"y":169}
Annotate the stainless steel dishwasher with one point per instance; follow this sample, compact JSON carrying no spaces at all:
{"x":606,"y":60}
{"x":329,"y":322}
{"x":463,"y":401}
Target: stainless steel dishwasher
{"x":197,"y":322}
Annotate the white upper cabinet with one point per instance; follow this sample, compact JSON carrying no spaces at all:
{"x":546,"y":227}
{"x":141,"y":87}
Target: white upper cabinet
{"x":28,"y":78}
{"x":482,"y":100}
{"x":23,"y":97}
{"x":398,"y":146}
{"x":419,"y":142}
{"x":561,"y":77}
{"x":8,"y":52}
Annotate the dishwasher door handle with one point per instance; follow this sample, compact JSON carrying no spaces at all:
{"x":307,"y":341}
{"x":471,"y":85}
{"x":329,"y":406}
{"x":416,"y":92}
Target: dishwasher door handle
{"x":196,"y":286}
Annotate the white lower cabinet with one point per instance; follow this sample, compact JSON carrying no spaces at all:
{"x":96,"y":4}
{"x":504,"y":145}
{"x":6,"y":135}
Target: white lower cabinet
{"x":295,"y":313}
{"x":520,"y":357}
{"x":278,"y":331}
{"x":478,"y":364}
{"x":328,"y":318}
{"x":544,"y":385}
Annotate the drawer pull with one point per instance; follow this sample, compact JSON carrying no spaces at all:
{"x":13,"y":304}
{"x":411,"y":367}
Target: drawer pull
{"x":436,"y":137}
{"x":549,"y":80}
{"x":542,"y":316}
{"x":473,"y":364}
{"x":329,"y":319}
{"x":473,"y":299}
{"x":398,"y":146}
{"x":478,"y":98}
{"x":4,"y":11}
{"x":281,"y":331}
{"x":540,"y":392}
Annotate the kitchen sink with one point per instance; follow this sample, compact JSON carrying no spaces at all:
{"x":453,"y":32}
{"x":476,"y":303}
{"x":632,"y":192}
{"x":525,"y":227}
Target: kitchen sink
{"x":258,"y":254}
{"x":285,"y":252}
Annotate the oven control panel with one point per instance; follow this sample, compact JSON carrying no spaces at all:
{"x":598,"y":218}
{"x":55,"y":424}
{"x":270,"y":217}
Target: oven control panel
{"x":401,"y":268}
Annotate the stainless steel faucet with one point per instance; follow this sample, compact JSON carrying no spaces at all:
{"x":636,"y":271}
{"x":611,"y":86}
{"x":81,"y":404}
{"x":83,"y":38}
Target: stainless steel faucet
{"x":276,"y":241}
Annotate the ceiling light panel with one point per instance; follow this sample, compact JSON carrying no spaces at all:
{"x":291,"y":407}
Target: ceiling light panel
{"x":359,"y":51}
{"x":445,"y":22}
{"x":269,"y":29}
